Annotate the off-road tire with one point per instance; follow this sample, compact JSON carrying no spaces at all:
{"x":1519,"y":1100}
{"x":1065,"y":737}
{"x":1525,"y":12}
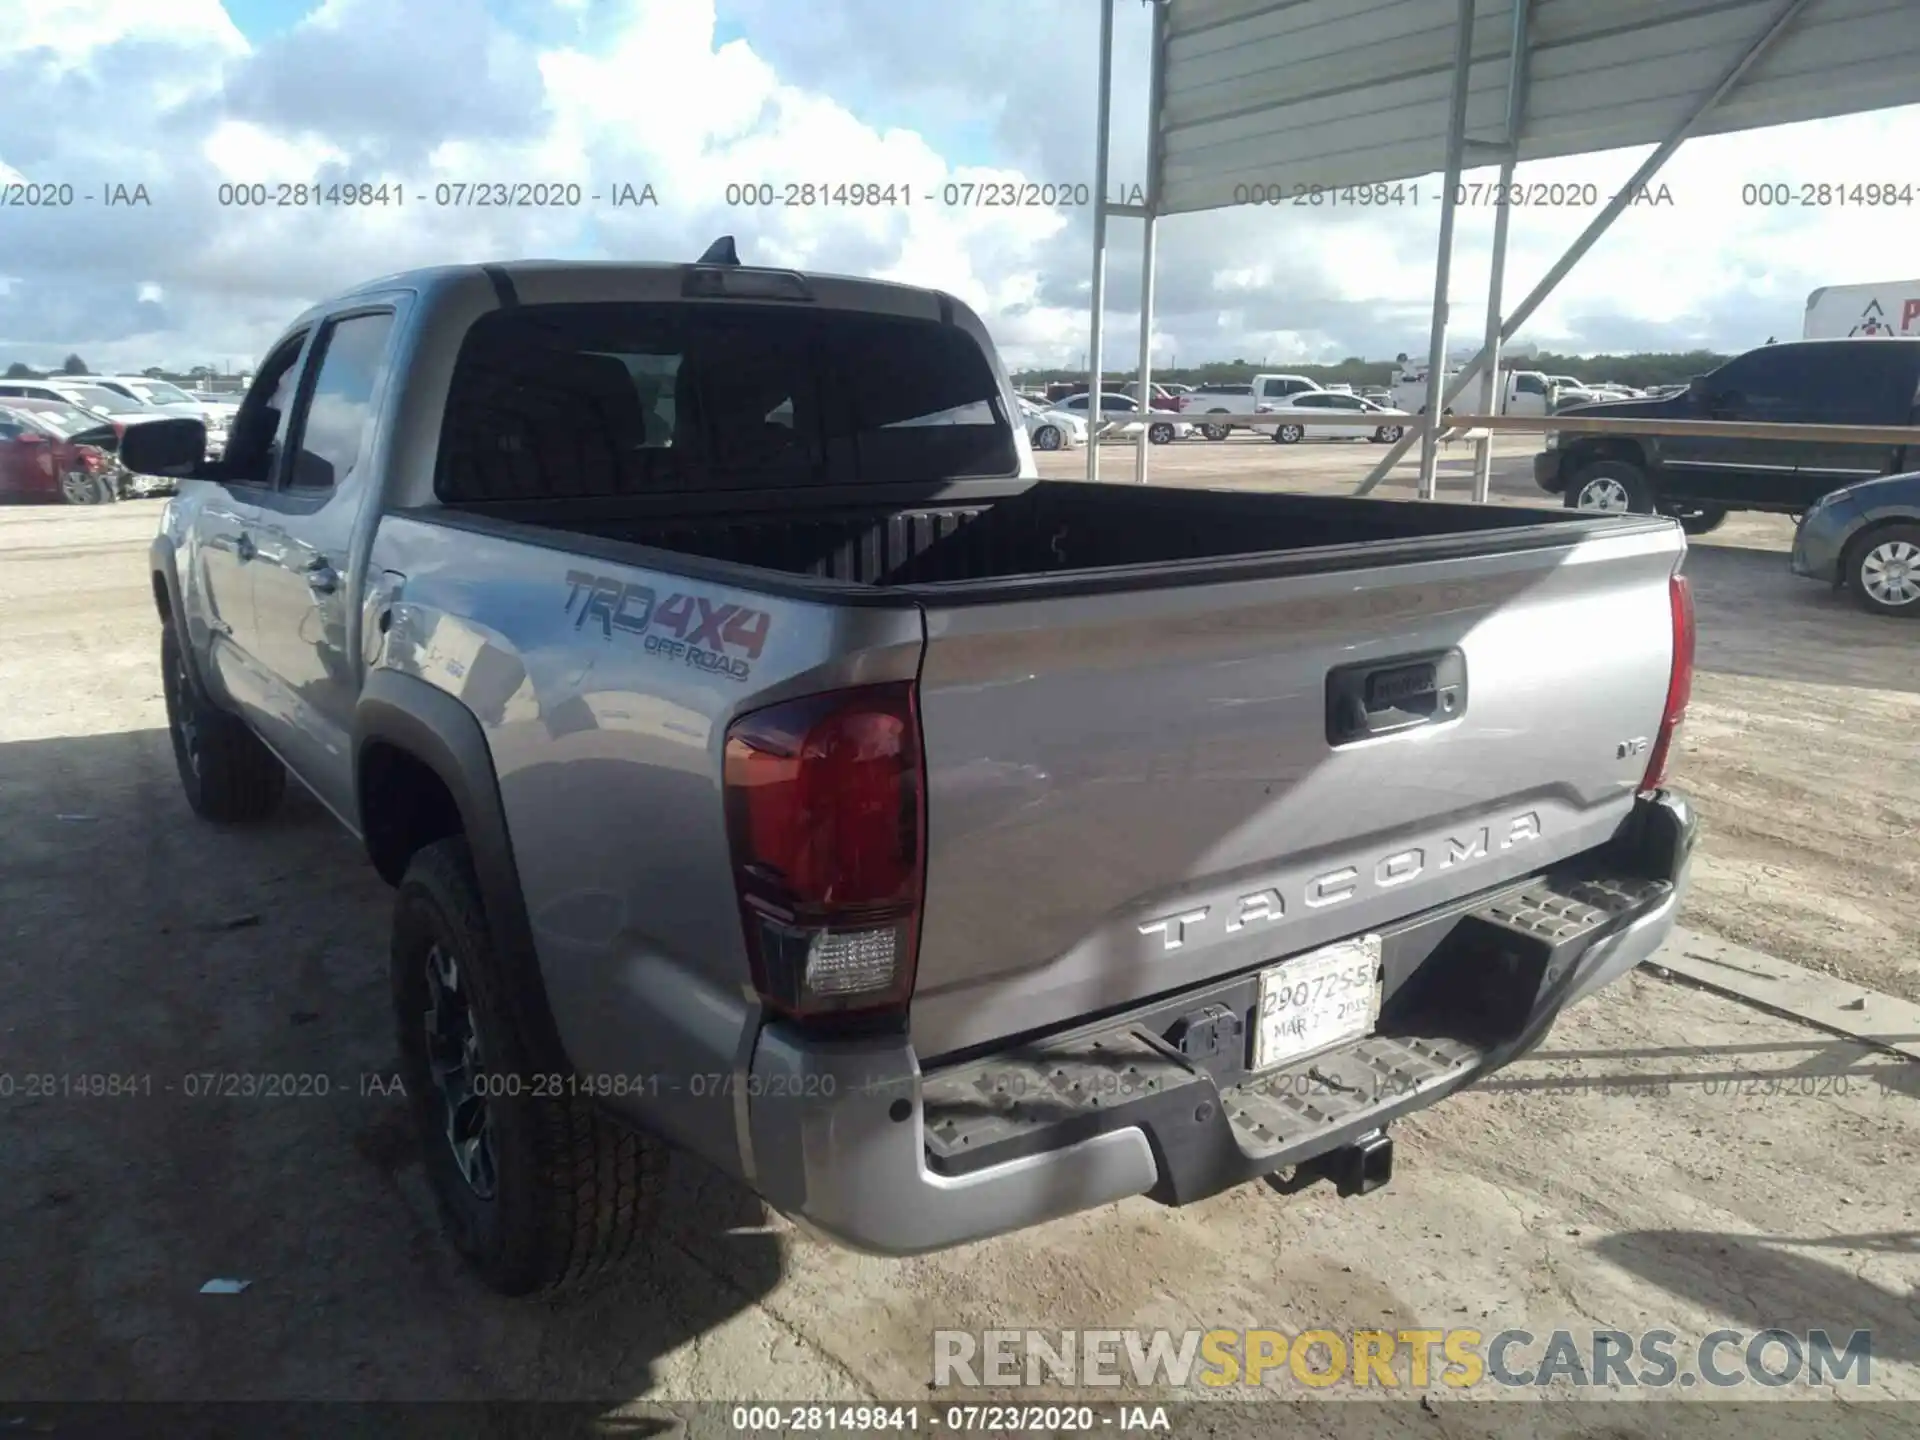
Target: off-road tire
{"x":573,"y":1186}
{"x":229,"y":777}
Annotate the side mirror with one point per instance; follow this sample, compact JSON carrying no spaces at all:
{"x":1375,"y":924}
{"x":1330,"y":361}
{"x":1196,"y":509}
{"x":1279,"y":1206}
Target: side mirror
{"x":171,"y":447}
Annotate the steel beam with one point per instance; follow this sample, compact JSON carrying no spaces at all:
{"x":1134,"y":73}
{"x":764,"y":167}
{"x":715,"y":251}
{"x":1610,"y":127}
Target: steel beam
{"x":1600,"y":224}
{"x":1490,"y":404}
{"x":1443,"y":260}
{"x":1095,"y":393}
{"x":1156,"y":83}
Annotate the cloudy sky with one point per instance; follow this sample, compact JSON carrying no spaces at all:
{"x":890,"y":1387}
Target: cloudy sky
{"x":689,"y":96}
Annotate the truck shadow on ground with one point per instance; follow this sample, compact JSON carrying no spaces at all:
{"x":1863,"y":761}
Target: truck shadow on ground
{"x":179,"y":957}
{"x":1777,"y":1286}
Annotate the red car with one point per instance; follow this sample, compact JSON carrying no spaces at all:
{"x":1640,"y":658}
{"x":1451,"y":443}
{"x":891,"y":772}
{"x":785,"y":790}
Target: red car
{"x":51,"y":451}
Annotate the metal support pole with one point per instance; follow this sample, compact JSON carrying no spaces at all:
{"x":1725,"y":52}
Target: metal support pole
{"x":1141,"y":442}
{"x":1094,"y":393}
{"x":1601,"y":223}
{"x":1490,"y":401}
{"x":1443,"y":262}
{"x":1156,"y":76}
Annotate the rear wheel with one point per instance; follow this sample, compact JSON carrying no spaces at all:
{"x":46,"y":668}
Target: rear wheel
{"x":228,"y":775}
{"x":1387,"y":434}
{"x":1613,"y":486}
{"x":1047,"y":437}
{"x":1883,"y":570}
{"x":78,"y":487}
{"x":1160,"y":433}
{"x":1216,"y":432}
{"x":1287,"y":434}
{"x":538,"y":1187}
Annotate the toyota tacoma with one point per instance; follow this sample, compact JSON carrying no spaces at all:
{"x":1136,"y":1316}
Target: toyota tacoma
{"x":768,"y":764}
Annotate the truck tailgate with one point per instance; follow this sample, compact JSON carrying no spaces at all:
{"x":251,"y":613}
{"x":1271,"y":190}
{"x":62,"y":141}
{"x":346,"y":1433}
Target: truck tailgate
{"x":1134,"y":791}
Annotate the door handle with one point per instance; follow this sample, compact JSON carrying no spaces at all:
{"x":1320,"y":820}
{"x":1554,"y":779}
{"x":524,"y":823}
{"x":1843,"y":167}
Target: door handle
{"x":322,"y":578}
{"x":1383,"y":697}
{"x":243,"y":546}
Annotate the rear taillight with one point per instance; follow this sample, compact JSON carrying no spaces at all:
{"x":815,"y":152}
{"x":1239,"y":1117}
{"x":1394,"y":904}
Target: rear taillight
{"x":1679,"y":683}
{"x":825,"y":803}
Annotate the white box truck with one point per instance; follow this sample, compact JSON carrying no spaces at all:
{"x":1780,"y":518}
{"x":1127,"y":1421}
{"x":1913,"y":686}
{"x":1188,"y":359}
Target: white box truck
{"x":1837,"y":312}
{"x":1525,"y":392}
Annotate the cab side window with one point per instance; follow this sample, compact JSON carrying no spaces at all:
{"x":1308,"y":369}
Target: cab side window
{"x":338,"y":412}
{"x":259,"y":432}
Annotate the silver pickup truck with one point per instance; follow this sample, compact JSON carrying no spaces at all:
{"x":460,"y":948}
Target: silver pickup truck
{"x":769,"y":765}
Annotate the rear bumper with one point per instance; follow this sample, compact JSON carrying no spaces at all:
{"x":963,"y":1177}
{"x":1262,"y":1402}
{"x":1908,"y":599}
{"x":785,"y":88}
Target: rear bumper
{"x":852,"y":1140}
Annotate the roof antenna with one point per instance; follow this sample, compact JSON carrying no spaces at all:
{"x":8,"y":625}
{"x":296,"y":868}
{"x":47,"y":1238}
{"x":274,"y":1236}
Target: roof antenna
{"x":720,"y":252}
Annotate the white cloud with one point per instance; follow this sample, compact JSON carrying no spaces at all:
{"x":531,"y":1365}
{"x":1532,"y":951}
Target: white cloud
{"x":897,"y":94}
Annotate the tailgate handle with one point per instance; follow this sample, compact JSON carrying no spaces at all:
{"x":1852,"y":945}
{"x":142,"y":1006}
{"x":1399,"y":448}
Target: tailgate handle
{"x":1384,"y":697}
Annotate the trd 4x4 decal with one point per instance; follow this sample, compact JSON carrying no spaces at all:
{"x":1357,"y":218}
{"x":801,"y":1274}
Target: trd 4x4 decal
{"x":712,"y":635}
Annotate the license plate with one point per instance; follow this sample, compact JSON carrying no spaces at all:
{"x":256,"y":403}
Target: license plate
{"x":1317,"y":1000}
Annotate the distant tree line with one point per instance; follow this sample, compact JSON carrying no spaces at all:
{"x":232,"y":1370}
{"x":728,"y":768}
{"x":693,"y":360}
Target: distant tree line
{"x":74,"y":365}
{"x":1638,"y":370}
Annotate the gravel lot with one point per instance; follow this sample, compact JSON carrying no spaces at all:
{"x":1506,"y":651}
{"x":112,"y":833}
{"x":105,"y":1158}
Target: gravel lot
{"x":1609,"y":1181}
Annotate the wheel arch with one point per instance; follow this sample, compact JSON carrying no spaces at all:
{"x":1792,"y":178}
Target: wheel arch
{"x":1606,"y":447}
{"x":410,"y":737}
{"x":1857,"y":542}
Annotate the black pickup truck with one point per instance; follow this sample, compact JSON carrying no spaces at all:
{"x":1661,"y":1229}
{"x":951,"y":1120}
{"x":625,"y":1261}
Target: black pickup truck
{"x":1698,"y":479}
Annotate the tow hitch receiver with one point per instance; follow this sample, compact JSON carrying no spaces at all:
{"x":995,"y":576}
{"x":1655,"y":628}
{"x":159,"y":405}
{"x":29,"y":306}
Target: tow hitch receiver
{"x":1356,"y":1169}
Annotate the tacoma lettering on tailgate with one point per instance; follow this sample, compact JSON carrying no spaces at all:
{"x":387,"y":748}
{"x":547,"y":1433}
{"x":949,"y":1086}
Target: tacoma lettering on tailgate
{"x":1333,"y":886}
{"x":712,"y":635}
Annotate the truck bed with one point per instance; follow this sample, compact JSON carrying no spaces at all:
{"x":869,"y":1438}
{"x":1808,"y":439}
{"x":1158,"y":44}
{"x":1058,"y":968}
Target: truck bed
{"x":1037,"y":528}
{"x":1138,"y":708}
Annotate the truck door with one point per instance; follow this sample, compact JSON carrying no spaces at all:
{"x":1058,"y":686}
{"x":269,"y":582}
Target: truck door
{"x":1849,"y":383}
{"x":1760,"y":385}
{"x":1526,"y":394}
{"x":220,"y":568}
{"x":303,"y":591}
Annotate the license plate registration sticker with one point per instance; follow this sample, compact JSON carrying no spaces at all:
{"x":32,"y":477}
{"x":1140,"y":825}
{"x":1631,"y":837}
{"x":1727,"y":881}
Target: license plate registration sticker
{"x":1316,"y":1000}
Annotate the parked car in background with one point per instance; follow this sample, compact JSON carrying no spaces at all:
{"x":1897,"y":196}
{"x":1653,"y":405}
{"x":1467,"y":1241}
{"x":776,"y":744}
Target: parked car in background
{"x":1523,"y":392}
{"x":1331,"y":415}
{"x":1865,"y":537}
{"x":1121,"y":419}
{"x":1699,"y":479}
{"x":117,"y":410}
{"x":1231,"y":399}
{"x":1052,"y":429}
{"x":170,"y":399}
{"x":40,"y":459}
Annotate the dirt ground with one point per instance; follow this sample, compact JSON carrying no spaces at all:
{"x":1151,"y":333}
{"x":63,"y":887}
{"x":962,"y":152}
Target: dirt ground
{"x":1669,"y":1159}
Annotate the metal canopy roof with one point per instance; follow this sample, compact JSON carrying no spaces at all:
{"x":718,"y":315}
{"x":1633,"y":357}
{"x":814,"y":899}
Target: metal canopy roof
{"x":1342,"y":92}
